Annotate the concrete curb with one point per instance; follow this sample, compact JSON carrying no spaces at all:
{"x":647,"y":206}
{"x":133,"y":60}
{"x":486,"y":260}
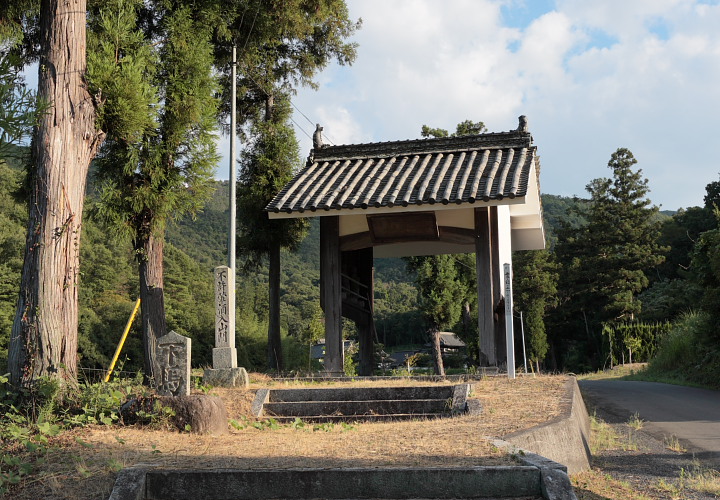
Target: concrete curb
{"x":564,"y":439}
{"x":554,"y":480}
{"x":395,"y":483}
{"x":537,"y":476}
{"x":130,"y":483}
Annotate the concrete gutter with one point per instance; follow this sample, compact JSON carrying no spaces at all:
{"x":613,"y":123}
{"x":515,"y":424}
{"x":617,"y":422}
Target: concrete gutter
{"x":564,"y":439}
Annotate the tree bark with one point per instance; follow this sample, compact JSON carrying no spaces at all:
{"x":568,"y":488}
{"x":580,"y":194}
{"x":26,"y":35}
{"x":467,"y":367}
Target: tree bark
{"x":150,"y":269}
{"x":43,"y":341}
{"x":437,"y":352}
{"x":275,"y":359}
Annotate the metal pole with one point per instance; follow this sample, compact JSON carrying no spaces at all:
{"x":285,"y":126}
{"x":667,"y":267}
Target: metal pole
{"x":510,"y":341}
{"x":233,"y":173}
{"x":233,"y":195}
{"x":522,"y":332}
{"x":122,"y":340}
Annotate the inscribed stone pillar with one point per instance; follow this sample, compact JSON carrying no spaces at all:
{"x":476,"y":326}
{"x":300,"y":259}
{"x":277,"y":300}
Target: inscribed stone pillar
{"x":173,"y":362}
{"x":224,"y":353}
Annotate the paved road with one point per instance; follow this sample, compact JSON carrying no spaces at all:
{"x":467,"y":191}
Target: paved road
{"x":692,"y":415}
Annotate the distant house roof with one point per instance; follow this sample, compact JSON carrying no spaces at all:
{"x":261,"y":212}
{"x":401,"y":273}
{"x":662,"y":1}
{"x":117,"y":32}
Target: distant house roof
{"x":449,"y":339}
{"x":390,"y":176}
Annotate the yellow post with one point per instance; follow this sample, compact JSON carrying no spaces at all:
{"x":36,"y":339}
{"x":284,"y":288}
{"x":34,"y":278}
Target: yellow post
{"x":122,"y":339}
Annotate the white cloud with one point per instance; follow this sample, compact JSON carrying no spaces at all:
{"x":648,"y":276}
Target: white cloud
{"x":592,"y":76}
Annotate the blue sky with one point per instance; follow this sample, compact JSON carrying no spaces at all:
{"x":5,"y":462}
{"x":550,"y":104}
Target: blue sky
{"x":591,"y":75}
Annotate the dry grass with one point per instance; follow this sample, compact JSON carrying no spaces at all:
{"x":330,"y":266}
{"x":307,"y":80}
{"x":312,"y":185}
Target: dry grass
{"x":594,"y":485}
{"x":84,"y":462}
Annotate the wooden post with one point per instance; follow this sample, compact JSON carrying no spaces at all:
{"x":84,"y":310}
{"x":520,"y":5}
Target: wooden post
{"x":366,"y":329}
{"x":497,"y":279}
{"x":485,"y":285}
{"x":330,"y":292}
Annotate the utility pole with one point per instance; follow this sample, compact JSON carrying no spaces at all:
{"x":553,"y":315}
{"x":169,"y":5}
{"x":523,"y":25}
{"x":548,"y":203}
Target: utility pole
{"x":233,"y":186}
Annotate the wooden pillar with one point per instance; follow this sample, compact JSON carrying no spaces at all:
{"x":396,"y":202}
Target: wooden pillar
{"x":485,"y":285}
{"x":366,"y":328}
{"x":330,"y":293}
{"x":497,"y":279}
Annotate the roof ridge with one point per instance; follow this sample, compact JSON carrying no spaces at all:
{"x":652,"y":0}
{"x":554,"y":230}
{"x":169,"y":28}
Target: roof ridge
{"x":512,"y":138}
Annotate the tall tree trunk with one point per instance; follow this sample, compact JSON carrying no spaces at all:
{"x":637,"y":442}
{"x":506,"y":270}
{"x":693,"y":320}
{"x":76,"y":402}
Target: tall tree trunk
{"x":275,"y":358}
{"x":150,"y":266}
{"x":44,"y":334}
{"x":437,"y":352}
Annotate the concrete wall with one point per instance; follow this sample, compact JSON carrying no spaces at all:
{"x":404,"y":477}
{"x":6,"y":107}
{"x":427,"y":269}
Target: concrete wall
{"x":564,"y":439}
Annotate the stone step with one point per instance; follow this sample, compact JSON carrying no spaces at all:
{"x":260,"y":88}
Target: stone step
{"x":370,"y":407}
{"x":388,"y":417}
{"x":378,"y":483}
{"x":361,"y":393}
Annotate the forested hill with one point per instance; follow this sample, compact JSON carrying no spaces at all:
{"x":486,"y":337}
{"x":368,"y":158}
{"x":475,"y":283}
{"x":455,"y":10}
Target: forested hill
{"x":195,"y":246}
{"x":204,"y":237}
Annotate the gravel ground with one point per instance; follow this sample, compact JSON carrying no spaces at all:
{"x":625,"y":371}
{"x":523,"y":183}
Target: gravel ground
{"x":651,"y":468}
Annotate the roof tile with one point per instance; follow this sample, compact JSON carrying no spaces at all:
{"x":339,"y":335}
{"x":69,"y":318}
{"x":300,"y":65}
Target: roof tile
{"x":448,"y":170}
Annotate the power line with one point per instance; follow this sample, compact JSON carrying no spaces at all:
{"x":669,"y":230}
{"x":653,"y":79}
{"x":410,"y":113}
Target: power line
{"x":259,"y":87}
{"x":302,"y":129}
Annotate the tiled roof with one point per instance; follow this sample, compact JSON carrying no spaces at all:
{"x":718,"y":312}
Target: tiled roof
{"x":453,"y":170}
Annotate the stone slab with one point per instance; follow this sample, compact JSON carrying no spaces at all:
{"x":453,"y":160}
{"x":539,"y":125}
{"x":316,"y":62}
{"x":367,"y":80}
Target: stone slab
{"x":172,"y":357}
{"x":224,"y":358}
{"x":358,"y":408}
{"x":226,"y":377}
{"x":379,"y":483}
{"x":362,"y":393}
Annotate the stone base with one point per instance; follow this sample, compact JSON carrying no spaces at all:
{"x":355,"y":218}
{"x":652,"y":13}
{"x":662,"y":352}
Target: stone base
{"x":224,"y":357}
{"x":226,"y":377}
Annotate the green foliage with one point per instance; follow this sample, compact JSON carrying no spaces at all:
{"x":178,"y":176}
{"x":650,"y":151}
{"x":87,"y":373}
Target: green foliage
{"x":350,"y":362}
{"x":624,"y":232}
{"x":468,"y":127}
{"x":287,"y":43}
{"x":534,"y":292}
{"x":30,"y":417}
{"x":633,"y":342}
{"x":687,"y":352}
{"x":679,"y":235}
{"x":159,"y":113}
{"x":439,"y":291}
{"x":706,"y":270}
{"x":12,"y":241}
{"x":266,"y":166}
{"x":17,"y":104}
{"x":669,"y":299}
{"x":604,"y":262}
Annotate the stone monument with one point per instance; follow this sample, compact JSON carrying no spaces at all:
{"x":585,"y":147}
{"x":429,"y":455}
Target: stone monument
{"x":173,"y":361}
{"x":225,"y":371}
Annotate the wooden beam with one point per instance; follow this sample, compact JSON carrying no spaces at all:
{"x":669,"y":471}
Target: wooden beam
{"x":387,"y":229}
{"x":485,"y":285}
{"x":356,"y":241}
{"x":330,"y":292}
{"x":448,"y":234}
